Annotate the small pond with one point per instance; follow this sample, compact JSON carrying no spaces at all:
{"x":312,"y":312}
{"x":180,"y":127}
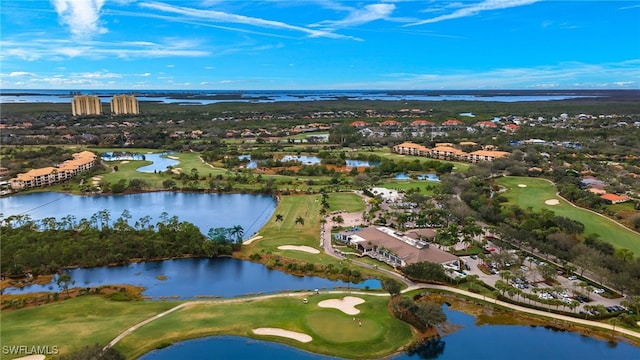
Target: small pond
{"x":427,"y":177}
{"x":160,"y":161}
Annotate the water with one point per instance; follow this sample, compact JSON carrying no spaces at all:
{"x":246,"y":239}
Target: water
{"x":469,"y":342}
{"x":205,"y":97}
{"x":361,"y":163}
{"x":160,"y":162}
{"x":230,"y":347}
{"x":427,"y":177}
{"x":193,"y":278}
{"x":307,"y":160}
{"x":203,"y":210}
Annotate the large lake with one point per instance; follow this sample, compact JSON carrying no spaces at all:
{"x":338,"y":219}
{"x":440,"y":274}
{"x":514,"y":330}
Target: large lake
{"x":469,"y":342}
{"x":194,"y":278}
{"x":203,"y":210}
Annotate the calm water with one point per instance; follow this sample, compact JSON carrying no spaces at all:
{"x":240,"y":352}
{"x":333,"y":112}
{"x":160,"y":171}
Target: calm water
{"x":160,"y":161}
{"x":469,"y":342}
{"x":203,"y":210}
{"x":191,"y":278}
{"x":307,"y":160}
{"x":266,"y":96}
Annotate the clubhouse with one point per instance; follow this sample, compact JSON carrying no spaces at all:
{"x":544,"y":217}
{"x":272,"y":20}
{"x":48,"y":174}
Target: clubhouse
{"x":448,"y":152}
{"x":47,"y":176}
{"x":396,"y":248}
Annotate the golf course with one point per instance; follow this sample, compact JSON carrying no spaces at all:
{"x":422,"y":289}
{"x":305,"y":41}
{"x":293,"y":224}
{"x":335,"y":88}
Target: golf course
{"x":542,"y":194}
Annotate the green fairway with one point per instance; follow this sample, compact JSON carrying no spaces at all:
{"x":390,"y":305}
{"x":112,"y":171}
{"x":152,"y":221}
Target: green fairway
{"x":424,"y":187}
{"x":536,"y":191}
{"x":333,"y":332}
{"x":74,"y":323}
{"x":348,"y":202}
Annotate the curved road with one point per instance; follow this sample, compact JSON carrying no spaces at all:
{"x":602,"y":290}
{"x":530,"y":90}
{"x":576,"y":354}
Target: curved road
{"x":523,"y":309}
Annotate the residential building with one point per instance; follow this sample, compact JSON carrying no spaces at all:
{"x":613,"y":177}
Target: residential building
{"x":82,"y":105}
{"x":408,"y":148}
{"x":124,"y":105}
{"x":447,"y":151}
{"x":614,"y":199}
{"x":47,"y":176}
{"x":486,"y":155}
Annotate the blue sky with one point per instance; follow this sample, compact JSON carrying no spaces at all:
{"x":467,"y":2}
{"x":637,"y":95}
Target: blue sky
{"x":323,"y":44}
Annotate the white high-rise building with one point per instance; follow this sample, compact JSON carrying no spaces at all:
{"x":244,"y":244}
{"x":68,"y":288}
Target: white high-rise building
{"x":124,"y":105}
{"x":86,"y":105}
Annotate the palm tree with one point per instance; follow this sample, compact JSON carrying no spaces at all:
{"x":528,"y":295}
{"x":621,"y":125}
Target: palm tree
{"x":299,"y":220}
{"x":237,"y":231}
{"x":279,"y":217}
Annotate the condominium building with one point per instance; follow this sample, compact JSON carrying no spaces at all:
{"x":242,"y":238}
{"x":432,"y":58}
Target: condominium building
{"x":124,"y":105}
{"x":40,"y":177}
{"x":86,"y":105}
{"x":446,"y":151}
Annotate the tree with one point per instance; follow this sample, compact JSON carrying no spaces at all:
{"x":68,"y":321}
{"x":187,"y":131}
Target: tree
{"x":237,"y":231}
{"x":63,"y":282}
{"x":429,"y":313}
{"x":300,"y":220}
{"x":391,"y":286}
{"x":279,"y":217}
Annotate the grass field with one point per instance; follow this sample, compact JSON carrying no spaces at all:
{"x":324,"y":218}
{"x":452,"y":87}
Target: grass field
{"x":426,"y":187}
{"x":74,"y":323}
{"x":537,"y":191}
{"x":333,"y":332}
{"x":348,"y":202}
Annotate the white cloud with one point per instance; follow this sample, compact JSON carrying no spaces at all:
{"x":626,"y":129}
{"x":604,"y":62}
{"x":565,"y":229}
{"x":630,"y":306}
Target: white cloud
{"x":19,"y":74}
{"x":223,"y":17}
{"x":365,"y":15}
{"x":476,"y":8}
{"x":81,"y":16}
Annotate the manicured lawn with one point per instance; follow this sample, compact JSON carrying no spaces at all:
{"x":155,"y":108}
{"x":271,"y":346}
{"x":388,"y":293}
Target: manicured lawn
{"x":348,"y":202}
{"x":333,"y":332}
{"x":426,"y":187}
{"x":537,"y":191}
{"x":74,"y":323}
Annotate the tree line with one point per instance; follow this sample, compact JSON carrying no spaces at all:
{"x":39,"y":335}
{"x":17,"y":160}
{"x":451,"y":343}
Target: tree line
{"x":49,"y":245}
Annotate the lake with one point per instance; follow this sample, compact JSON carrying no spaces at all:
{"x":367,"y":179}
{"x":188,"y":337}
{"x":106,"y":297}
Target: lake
{"x":160,"y":161}
{"x":193,"y":278}
{"x":427,"y":177}
{"x":203,"y":210}
{"x":307,"y":160}
{"x":469,"y":342}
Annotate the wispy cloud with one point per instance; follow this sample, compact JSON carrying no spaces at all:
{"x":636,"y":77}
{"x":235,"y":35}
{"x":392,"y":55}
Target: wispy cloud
{"x":361,"y":16}
{"x":81,"y":16}
{"x":223,"y":17}
{"x":474,"y":9}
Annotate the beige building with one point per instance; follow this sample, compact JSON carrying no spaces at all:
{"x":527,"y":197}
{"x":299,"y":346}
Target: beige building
{"x":86,"y":105}
{"x":40,"y":177}
{"x":124,"y":105}
{"x":446,"y":151}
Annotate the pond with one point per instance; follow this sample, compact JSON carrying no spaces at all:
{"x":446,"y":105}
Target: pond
{"x":203,"y":210}
{"x":469,"y":342}
{"x":306,"y":160}
{"x":195,"y":278}
{"x":160,"y":161}
{"x":427,"y":177}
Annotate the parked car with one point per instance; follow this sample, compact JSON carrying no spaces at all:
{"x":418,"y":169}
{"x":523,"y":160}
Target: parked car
{"x":572,"y":277}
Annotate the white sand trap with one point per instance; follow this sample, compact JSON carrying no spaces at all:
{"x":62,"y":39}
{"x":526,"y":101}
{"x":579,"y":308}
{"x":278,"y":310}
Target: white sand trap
{"x":250,"y":240}
{"x":347,"y":304}
{"x":308,"y":249}
{"x":283,"y":333}
{"x":522,"y":185}
{"x":124,"y":162}
{"x":31,"y":357}
{"x":173,"y":157}
{"x":552,"y":202}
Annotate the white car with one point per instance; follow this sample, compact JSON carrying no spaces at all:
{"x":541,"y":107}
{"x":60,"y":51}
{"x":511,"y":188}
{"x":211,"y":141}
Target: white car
{"x":598,"y":291}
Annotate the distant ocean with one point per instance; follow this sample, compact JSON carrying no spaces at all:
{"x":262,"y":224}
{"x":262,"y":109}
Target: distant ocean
{"x":203,"y":97}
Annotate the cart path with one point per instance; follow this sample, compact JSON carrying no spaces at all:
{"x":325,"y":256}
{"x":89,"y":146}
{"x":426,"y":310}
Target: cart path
{"x":523,"y":309}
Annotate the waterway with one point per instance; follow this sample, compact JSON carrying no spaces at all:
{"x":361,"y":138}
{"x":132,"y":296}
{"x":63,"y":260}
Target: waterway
{"x":197,"y":278}
{"x":203,"y":210}
{"x":159,"y":161}
{"x":469,"y":342}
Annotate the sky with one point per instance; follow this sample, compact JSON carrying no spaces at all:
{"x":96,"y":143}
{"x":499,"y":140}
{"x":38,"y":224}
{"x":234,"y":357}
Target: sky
{"x":319,"y":45}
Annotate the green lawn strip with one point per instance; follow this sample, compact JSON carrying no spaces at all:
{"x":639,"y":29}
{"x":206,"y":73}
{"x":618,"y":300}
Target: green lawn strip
{"x":537,"y":191}
{"x":348,"y":202}
{"x":74,"y":323}
{"x":333,"y":332}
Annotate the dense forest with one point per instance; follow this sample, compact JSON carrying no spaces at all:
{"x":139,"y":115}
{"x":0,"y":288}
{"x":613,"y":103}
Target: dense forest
{"x":48,"y":245}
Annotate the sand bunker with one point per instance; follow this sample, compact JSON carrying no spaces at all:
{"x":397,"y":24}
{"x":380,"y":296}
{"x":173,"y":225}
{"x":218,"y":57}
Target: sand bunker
{"x":173,"y":157}
{"x":124,"y":162}
{"x":522,"y":185}
{"x":308,"y":249}
{"x":31,"y":357}
{"x":250,"y":240}
{"x":347,"y":304}
{"x":283,"y":333}
{"x":552,"y":202}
